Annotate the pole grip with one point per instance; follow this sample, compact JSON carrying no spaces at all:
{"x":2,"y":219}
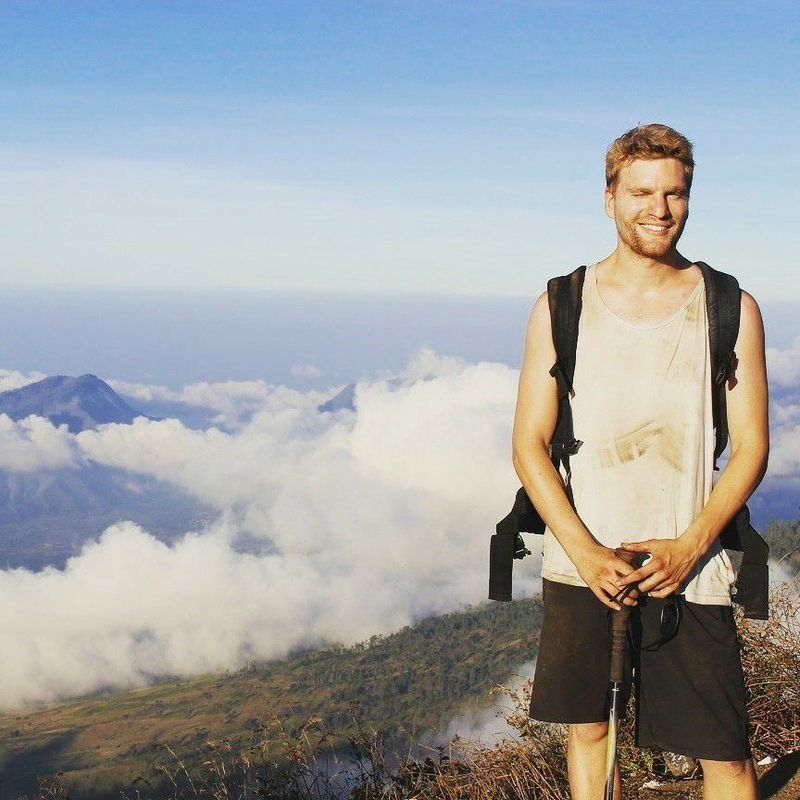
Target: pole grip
{"x":619,"y":642}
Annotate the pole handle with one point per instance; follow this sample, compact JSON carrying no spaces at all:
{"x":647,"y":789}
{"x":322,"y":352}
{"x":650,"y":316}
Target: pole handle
{"x":619,"y":642}
{"x":619,"y":623}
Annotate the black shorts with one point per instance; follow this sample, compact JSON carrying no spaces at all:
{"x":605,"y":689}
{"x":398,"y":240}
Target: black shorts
{"x":690,"y":693}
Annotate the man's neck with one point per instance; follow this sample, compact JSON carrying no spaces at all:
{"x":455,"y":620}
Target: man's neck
{"x":641,"y":274}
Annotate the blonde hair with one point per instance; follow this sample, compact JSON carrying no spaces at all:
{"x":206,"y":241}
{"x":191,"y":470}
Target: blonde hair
{"x":648,"y":142}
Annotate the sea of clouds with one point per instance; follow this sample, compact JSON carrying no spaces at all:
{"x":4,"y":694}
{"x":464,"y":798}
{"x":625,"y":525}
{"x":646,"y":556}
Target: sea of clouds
{"x":369,"y":519}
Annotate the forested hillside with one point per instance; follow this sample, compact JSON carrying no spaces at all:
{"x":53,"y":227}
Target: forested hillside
{"x":406,"y":684}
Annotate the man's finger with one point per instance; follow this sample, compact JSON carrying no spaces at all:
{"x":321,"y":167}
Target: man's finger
{"x":626,"y":595}
{"x":638,"y":547}
{"x":656,"y":581}
{"x":622,"y":567}
{"x":629,"y":600}
{"x":604,"y":598}
{"x":614,"y":594}
{"x":665,"y":592}
{"x":639,"y":574}
{"x":610,"y":588}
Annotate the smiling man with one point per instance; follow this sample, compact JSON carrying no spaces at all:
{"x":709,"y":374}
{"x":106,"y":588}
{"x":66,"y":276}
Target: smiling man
{"x":642,"y":481}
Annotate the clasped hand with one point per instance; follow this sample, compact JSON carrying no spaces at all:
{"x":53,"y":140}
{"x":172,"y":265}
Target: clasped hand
{"x":670,"y":562}
{"x":602,"y":568}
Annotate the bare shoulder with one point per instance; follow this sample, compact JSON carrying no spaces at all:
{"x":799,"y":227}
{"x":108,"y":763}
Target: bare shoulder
{"x":751,"y":324}
{"x":750,"y":306}
{"x":748,"y":390}
{"x":750,"y":355}
{"x":537,"y":398}
{"x":539,"y":335}
{"x":541,"y":306}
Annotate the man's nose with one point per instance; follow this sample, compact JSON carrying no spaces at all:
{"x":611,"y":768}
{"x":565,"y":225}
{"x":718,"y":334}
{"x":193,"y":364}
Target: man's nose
{"x":658,"y":205}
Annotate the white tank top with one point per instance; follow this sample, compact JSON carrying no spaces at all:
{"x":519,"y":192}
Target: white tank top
{"x":642,"y":408}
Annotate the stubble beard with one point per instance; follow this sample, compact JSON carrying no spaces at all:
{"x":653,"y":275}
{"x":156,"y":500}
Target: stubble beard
{"x":647,"y":246}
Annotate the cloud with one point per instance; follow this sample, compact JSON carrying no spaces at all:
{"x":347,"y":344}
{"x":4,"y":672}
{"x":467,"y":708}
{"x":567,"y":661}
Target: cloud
{"x":783,"y":372}
{"x":784,"y":452}
{"x":783,"y":414}
{"x":780,"y":572}
{"x":34,"y":443}
{"x":489,"y":724}
{"x":148,"y":392}
{"x":783,"y":366}
{"x":395,"y":501}
{"x":129,"y":607}
{"x":13,"y":379}
{"x":235,"y":401}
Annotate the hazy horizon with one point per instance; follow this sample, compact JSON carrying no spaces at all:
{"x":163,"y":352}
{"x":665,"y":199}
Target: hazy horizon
{"x":298,"y":339}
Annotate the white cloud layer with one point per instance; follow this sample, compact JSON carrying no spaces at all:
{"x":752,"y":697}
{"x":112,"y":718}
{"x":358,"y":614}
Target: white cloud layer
{"x":394,"y":503}
{"x":13,"y":379}
{"x":34,"y":443}
{"x":234,"y":401}
{"x":783,"y":366}
{"x":783,"y":373}
{"x":488,"y":724}
{"x":784,"y":452}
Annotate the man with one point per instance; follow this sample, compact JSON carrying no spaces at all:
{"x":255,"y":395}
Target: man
{"x":642,"y":480}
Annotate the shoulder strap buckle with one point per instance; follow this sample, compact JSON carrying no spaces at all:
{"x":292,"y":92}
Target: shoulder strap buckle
{"x":562,"y":382}
{"x":725,"y":367}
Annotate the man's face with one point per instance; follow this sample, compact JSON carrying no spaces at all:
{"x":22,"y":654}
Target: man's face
{"x":650,"y":205}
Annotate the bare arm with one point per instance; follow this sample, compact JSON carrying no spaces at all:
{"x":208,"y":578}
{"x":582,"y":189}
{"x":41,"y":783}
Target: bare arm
{"x":747,"y":399}
{"x":534,"y":424}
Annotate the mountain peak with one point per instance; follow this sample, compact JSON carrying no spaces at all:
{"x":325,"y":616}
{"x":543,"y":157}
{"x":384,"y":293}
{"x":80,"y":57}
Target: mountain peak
{"x":81,"y":403}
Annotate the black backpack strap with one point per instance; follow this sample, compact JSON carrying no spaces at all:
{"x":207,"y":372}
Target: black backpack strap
{"x":723,"y":303}
{"x":752,"y":577}
{"x":723,"y":306}
{"x":564,"y":298}
{"x":564,"y":294}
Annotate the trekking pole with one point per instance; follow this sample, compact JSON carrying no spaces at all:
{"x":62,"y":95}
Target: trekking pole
{"x":619,"y":647}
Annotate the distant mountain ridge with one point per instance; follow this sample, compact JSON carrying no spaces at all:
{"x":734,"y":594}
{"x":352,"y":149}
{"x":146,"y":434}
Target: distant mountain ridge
{"x":346,"y":397}
{"x":46,"y":516}
{"x":81,"y":403}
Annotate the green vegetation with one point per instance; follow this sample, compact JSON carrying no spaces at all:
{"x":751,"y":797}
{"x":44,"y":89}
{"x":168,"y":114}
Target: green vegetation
{"x":527,"y":766}
{"x":783,"y":538}
{"x":407,"y":683}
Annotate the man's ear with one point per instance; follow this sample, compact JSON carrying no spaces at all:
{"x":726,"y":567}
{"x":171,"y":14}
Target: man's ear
{"x":608,"y":201}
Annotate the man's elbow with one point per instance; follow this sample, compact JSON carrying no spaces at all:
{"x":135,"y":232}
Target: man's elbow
{"x":515,"y":457}
{"x":521,"y":453}
{"x":755,"y":450}
{"x":763,"y":459}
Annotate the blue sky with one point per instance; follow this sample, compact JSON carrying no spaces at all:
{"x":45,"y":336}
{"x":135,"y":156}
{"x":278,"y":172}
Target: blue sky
{"x":405,"y":147}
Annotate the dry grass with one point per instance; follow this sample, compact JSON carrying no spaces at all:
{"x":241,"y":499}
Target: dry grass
{"x":530,"y":766}
{"x":771,"y":661}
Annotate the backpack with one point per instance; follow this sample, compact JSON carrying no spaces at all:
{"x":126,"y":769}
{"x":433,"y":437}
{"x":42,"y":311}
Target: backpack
{"x":723,"y":298}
